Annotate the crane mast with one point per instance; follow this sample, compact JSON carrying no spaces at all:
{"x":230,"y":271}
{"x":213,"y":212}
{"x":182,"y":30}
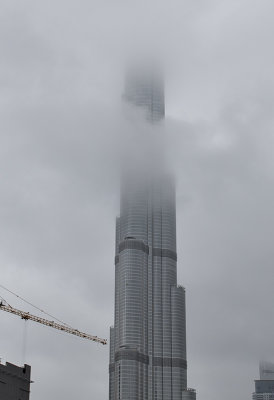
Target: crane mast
{"x":27,"y":316}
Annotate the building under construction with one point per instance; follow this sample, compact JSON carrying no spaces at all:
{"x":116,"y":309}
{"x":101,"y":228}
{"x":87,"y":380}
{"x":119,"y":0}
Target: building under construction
{"x":14,"y":382}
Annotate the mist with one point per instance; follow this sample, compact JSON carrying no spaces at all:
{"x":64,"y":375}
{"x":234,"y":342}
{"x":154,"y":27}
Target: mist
{"x":63,"y":130}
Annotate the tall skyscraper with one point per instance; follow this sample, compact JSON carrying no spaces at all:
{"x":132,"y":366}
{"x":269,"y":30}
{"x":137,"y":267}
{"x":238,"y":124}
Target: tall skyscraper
{"x":264,"y":387}
{"x":148,"y":339}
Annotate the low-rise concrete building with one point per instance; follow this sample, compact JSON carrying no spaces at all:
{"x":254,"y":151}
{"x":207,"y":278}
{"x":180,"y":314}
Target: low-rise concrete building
{"x":14,"y":382}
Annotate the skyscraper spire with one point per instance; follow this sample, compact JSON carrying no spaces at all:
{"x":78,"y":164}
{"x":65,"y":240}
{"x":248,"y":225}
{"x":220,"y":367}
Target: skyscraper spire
{"x":148,"y":339}
{"x":145,"y":88}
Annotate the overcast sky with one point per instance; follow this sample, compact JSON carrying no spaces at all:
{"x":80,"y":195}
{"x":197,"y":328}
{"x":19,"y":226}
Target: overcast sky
{"x":61,"y":79}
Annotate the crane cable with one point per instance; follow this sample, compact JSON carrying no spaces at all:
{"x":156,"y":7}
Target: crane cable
{"x":44,"y":312}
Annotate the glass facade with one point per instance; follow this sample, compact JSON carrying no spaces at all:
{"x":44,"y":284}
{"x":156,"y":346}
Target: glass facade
{"x":145,"y":89}
{"x":148,"y":339}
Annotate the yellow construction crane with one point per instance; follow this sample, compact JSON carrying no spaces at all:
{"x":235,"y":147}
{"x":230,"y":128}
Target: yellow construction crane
{"x":65,"y":328}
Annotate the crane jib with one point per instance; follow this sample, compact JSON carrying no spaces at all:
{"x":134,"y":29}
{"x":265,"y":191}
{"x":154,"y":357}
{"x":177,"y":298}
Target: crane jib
{"x":27,"y":316}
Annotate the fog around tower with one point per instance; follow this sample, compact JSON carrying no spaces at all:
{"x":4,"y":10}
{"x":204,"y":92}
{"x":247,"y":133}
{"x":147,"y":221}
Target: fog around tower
{"x":63,"y":128}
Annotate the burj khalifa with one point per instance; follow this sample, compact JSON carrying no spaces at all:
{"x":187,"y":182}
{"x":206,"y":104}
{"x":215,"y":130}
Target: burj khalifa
{"x":148,"y":339}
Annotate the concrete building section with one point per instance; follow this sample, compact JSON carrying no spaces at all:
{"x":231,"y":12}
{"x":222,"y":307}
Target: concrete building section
{"x":148,"y":339}
{"x":14,"y":382}
{"x":264,"y":387}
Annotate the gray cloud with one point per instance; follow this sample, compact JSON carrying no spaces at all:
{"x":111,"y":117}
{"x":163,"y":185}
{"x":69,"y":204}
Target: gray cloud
{"x":62,"y":127}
